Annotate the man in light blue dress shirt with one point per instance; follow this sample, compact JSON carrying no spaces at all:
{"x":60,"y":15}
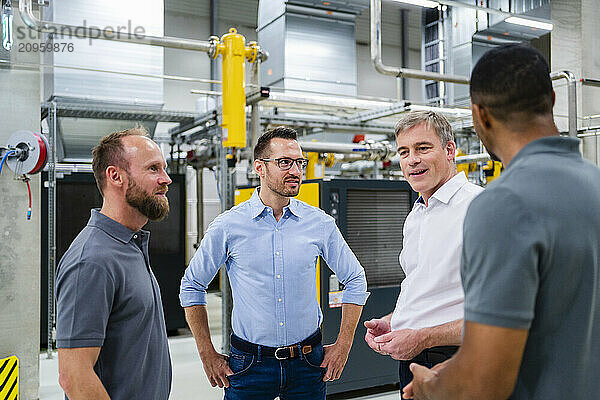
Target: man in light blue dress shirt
{"x":270,"y":245}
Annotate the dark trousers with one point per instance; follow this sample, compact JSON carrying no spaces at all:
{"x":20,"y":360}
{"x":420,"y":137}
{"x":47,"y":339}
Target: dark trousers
{"x":428,"y":358}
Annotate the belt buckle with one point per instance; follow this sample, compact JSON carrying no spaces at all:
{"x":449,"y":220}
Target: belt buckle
{"x":280,"y":358}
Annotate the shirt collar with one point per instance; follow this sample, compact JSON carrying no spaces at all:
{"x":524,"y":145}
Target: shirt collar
{"x":294,"y":207}
{"x":110,"y":226}
{"x":448,"y":189}
{"x":258,"y":207}
{"x":548,"y":144}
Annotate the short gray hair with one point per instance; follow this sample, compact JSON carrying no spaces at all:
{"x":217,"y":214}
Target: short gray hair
{"x":438,"y":122}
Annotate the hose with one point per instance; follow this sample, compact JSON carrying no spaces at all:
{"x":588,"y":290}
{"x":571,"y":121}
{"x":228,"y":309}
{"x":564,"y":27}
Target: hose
{"x":29,"y":191}
{"x":4,"y":159}
{"x":25,"y":179}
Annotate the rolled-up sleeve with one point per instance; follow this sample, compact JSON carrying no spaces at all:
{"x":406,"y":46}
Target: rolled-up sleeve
{"x":340,"y":258}
{"x":203,"y":267}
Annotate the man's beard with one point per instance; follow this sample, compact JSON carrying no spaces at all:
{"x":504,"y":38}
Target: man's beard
{"x":281,"y":189}
{"x":479,"y":130}
{"x":153,"y":207}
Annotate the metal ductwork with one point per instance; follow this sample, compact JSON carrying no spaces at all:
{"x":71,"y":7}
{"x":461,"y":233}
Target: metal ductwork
{"x":479,"y":35}
{"x":305,"y":39}
{"x":52,"y":27}
{"x":395,"y":71}
{"x":95,"y":89}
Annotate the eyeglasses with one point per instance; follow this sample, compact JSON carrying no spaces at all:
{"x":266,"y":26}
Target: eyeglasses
{"x":286,"y":163}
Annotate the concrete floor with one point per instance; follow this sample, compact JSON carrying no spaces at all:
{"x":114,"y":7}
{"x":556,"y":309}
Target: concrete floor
{"x":189,"y":380}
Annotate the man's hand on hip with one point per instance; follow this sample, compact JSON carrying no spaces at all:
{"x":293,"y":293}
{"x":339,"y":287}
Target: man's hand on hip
{"x":335,"y":359}
{"x":217,"y":369}
{"x":376,"y":327}
{"x":403,"y":344}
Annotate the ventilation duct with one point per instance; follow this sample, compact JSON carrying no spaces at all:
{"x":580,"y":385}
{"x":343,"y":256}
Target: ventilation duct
{"x":473,"y":33}
{"x":92,"y":88}
{"x":312,"y":45}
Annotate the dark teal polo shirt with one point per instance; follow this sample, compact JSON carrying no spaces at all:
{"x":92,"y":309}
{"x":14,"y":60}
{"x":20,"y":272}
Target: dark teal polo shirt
{"x":108,"y":297}
{"x":531,"y":260}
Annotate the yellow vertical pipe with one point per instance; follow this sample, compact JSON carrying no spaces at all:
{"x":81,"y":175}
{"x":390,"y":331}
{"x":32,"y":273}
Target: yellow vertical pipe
{"x":233,"y":50}
{"x":311,"y":168}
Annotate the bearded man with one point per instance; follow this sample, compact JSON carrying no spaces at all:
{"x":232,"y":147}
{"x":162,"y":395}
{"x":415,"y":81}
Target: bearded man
{"x":110,"y":329}
{"x":270,"y":245}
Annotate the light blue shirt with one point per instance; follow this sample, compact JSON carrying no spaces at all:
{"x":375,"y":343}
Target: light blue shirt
{"x":271,"y":267}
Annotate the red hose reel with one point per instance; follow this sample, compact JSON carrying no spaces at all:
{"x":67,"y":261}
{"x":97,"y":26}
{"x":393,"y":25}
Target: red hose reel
{"x":27,"y":154}
{"x":33,"y":150}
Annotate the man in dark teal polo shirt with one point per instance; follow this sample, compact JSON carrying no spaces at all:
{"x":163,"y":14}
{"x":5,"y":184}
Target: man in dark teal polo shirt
{"x":111,"y":335}
{"x":531,"y":255}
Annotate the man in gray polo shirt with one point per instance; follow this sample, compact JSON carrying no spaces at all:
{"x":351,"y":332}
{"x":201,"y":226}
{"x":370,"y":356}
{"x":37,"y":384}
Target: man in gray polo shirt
{"x":531,"y":255}
{"x":111,"y":334}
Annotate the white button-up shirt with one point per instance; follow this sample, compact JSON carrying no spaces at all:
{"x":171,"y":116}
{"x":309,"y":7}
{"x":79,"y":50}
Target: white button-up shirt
{"x":432,"y":294}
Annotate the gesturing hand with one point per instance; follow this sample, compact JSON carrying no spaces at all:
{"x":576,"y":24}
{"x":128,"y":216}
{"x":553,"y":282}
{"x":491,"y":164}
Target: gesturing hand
{"x":403,"y":344}
{"x":375,"y":328}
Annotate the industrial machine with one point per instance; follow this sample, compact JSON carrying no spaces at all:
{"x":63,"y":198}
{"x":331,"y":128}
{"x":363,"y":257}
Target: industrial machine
{"x":77,"y":194}
{"x":370,"y":214}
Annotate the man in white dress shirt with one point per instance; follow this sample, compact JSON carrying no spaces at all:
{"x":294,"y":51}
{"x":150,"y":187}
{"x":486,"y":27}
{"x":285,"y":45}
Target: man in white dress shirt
{"x":426,"y":325}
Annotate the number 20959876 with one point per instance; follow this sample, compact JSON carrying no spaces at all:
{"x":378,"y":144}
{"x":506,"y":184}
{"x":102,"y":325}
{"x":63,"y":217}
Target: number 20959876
{"x":58,"y":47}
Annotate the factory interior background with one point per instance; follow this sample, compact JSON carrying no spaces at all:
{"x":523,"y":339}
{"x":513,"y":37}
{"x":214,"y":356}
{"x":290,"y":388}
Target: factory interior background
{"x":340,"y":72}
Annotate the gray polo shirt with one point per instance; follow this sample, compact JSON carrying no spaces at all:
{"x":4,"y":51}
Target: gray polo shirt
{"x":108,"y":297}
{"x":531,"y":258}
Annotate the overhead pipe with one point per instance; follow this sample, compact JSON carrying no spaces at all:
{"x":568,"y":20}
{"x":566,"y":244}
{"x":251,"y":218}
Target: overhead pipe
{"x":571,"y":97}
{"x":380,"y":151}
{"x":210,"y":47}
{"x":35,"y":66}
{"x":395,"y":71}
{"x":472,"y":158}
{"x":590,"y":82}
{"x":361,"y":167}
{"x":340,"y":148}
{"x":371,"y":151}
{"x":26,"y":12}
{"x":418,"y":74}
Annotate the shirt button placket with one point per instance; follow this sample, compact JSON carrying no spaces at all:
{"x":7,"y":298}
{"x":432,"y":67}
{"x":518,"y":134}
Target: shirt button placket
{"x":279,"y":286}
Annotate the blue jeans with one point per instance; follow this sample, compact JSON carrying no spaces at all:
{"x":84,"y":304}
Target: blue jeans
{"x":264,"y":378}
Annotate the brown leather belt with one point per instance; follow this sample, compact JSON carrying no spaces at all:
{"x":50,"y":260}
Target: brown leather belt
{"x":280,"y":353}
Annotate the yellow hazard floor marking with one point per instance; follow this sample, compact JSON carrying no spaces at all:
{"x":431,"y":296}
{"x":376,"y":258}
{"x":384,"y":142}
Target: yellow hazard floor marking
{"x":9,"y":378}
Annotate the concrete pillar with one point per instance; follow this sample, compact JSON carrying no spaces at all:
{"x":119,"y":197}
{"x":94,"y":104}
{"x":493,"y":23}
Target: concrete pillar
{"x":19,"y":238}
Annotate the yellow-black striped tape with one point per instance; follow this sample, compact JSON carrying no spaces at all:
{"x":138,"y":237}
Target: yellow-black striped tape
{"x":9,"y":378}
